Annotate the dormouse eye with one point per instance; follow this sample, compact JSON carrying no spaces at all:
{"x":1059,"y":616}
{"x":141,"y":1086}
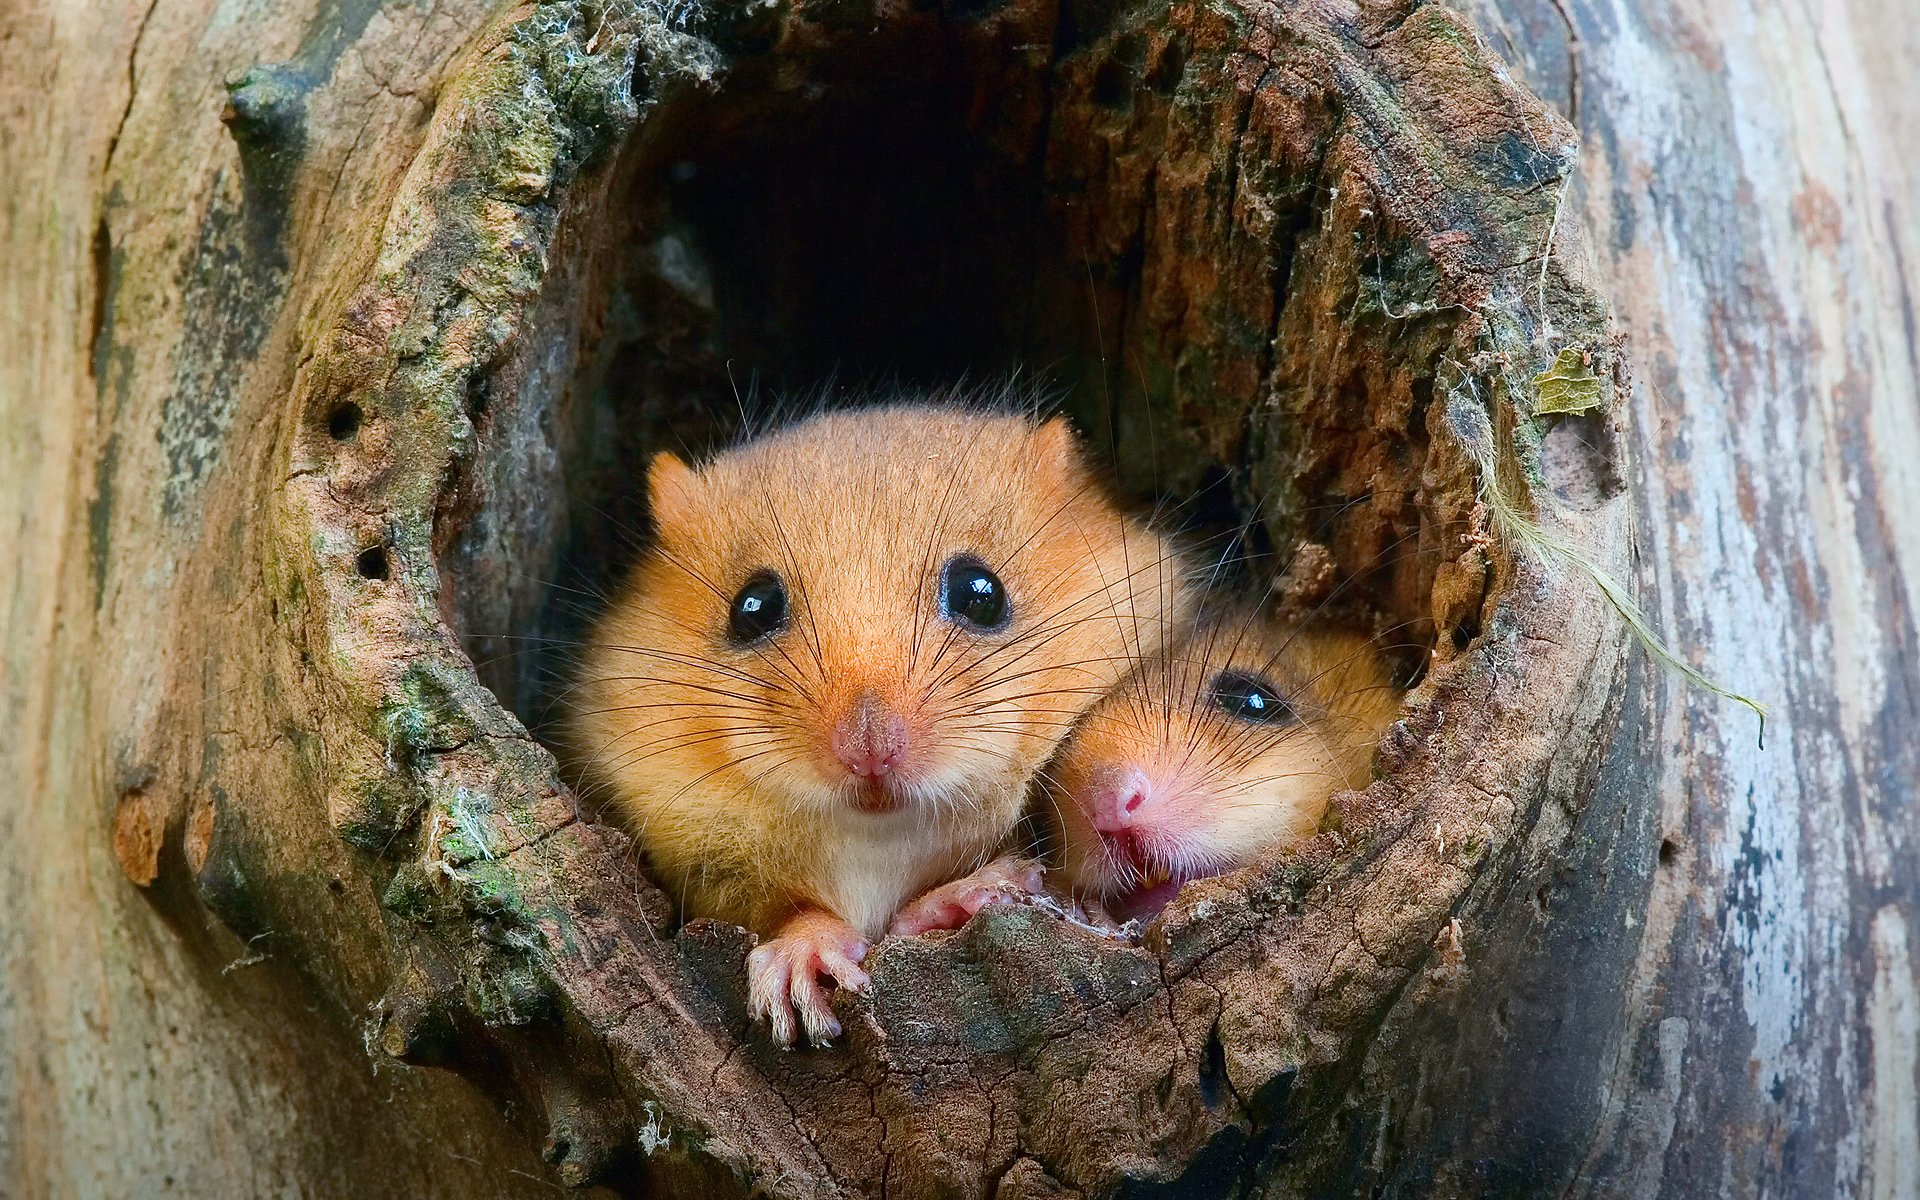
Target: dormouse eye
{"x":1250,"y":698}
{"x":972,"y":595}
{"x":759,"y":609}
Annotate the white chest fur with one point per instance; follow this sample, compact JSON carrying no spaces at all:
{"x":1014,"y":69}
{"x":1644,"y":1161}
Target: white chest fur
{"x":875,"y":864}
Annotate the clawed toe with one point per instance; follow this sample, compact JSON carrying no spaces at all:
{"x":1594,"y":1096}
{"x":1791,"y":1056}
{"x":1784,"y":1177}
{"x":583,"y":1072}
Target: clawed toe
{"x":783,"y":979}
{"x":952,"y":905}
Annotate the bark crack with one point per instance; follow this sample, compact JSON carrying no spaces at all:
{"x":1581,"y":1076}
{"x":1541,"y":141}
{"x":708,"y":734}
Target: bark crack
{"x":1573,"y":62}
{"x":133,"y":65}
{"x":103,"y":230}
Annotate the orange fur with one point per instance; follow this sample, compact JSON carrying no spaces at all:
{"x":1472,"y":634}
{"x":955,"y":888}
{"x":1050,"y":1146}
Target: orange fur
{"x":720,"y":756}
{"x":1225,"y":792}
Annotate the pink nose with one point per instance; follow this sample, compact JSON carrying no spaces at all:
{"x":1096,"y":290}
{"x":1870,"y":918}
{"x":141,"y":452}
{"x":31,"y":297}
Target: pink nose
{"x":871,"y":739}
{"x":1115,"y":800}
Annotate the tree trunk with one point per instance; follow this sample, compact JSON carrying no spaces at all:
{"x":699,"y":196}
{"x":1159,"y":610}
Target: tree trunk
{"x":316,"y":376}
{"x":1717,"y":993}
{"x":1714,"y":993}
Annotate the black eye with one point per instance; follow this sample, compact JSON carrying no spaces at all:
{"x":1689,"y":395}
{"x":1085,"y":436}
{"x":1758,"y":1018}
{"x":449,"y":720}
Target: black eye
{"x":1251,"y":698}
{"x":972,"y":595}
{"x":759,"y":609}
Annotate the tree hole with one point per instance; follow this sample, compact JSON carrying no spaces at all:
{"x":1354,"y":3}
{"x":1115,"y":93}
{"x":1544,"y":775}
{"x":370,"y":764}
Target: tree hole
{"x":947,"y":200}
{"x":479,"y":396}
{"x":1236,"y":294}
{"x":344,"y":421}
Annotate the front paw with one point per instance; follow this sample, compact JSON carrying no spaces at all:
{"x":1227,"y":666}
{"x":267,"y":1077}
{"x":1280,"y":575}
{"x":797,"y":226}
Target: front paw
{"x":951,"y":905}
{"x":783,"y":977}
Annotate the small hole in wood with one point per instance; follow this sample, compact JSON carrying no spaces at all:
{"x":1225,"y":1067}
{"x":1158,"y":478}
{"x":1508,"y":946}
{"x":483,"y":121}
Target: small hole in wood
{"x":1113,"y":85}
{"x":372,"y":563}
{"x":479,"y":396}
{"x":344,"y":421}
{"x":1669,"y":849}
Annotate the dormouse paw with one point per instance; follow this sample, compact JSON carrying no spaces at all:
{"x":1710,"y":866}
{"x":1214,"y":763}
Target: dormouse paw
{"x":951,"y":905}
{"x":783,"y":977}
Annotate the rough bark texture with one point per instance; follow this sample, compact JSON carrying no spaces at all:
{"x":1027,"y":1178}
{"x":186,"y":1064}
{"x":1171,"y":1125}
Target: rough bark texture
{"x":309,"y":401}
{"x":1717,"y":995}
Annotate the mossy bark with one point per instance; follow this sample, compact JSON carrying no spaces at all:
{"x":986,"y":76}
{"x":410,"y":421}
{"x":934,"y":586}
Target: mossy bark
{"x":352,"y":353}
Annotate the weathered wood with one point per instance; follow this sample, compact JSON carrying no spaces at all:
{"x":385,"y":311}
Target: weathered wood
{"x":152,"y":317}
{"x":1717,"y":993}
{"x":292,"y":402}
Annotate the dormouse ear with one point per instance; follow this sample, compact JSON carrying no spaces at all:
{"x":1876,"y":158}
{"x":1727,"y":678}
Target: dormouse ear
{"x":670,"y":485}
{"x":1057,"y":449}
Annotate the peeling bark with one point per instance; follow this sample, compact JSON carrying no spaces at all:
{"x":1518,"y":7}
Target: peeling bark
{"x":341,"y":364}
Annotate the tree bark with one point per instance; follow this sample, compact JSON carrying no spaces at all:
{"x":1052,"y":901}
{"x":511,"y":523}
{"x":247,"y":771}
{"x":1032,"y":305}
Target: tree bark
{"x":148,"y":319}
{"x":1715,"y":994}
{"x":312,"y":372}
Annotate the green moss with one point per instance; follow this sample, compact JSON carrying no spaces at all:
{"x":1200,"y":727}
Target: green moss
{"x":431,"y":714}
{"x":493,"y":891}
{"x":410,"y":893}
{"x":507,"y":991}
{"x":469,"y":838}
{"x":384,"y":810}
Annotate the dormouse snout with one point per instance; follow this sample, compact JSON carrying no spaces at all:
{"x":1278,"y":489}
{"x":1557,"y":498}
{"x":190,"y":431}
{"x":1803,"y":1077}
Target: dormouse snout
{"x":1118,"y":798}
{"x":870,"y":739}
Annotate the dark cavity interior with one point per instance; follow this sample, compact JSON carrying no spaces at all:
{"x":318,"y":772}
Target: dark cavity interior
{"x":949,"y":197}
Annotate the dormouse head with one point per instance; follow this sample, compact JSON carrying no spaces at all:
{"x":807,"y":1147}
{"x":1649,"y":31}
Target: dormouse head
{"x":1223,"y":748}
{"x":871,"y":612}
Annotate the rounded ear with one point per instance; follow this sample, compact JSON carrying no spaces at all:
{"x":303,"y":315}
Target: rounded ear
{"x":670,"y":484}
{"x":1057,"y":449}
